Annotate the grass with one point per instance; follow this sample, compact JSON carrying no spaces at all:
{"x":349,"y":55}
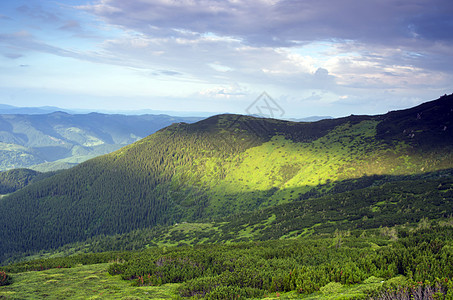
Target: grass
{"x":183,"y":230}
{"x":282,"y":164}
{"x":82,"y":282}
{"x":349,"y":151}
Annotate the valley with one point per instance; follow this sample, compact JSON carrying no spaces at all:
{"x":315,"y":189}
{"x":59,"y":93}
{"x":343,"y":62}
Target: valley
{"x":59,"y":140}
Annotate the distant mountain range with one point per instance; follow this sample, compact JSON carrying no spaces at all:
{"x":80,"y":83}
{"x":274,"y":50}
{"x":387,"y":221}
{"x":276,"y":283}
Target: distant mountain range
{"x":60,"y":140}
{"x":10,"y":109}
{"x":227,"y":165}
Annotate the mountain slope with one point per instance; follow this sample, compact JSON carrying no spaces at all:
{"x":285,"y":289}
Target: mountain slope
{"x":27,"y":140}
{"x":220,"y":166}
{"x":375,"y":202}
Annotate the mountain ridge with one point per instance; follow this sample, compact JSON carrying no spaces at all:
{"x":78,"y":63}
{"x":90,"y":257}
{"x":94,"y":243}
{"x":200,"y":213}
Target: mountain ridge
{"x":215,"y":168}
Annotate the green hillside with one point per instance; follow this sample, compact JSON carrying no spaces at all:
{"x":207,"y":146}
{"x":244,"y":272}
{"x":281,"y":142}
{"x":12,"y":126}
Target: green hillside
{"x":410,"y":263}
{"x":384,"y":202}
{"x":221,"y":166}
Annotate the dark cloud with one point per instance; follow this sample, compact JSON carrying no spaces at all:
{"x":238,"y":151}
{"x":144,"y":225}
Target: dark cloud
{"x":12,"y":55}
{"x":38,"y":12}
{"x":169,"y":73}
{"x":287,"y":22}
{"x":436,"y":25}
{"x":383,"y":33}
{"x":71,"y":26}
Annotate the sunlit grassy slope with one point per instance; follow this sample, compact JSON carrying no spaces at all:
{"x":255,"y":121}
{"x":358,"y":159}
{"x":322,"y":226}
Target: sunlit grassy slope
{"x":220,"y":166}
{"x":291,"y":169}
{"x":81,"y":282}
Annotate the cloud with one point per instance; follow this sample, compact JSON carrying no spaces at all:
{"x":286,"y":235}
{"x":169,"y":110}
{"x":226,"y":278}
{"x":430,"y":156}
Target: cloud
{"x":218,"y":60}
{"x":373,"y":40}
{"x":286,"y":22}
{"x":3,"y":17}
{"x":224,"y":92}
{"x":38,"y":12}
{"x":71,"y":25}
{"x":12,"y":55}
{"x":166,"y":73}
{"x":24,"y":40}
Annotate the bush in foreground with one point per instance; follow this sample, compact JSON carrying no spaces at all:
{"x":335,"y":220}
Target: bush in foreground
{"x":5,"y":279}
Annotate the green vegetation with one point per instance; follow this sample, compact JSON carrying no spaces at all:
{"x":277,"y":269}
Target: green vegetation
{"x":80,"y":282}
{"x":360,"y":264}
{"x":362,"y":208}
{"x":227,"y":166}
{"x":240,"y":207}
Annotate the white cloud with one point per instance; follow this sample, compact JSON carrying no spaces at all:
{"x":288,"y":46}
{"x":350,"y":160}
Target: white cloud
{"x":227,"y":92}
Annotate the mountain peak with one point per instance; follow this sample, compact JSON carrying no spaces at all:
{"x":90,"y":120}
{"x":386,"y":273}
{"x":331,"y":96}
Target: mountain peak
{"x":427,"y":124}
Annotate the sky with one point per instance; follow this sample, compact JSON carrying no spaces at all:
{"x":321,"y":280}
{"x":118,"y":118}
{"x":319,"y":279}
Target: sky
{"x":298,"y":57}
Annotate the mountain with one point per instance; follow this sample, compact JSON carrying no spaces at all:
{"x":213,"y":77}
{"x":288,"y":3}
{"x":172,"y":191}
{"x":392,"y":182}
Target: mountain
{"x":59,"y":140}
{"x":9,"y":109}
{"x":224,"y":165}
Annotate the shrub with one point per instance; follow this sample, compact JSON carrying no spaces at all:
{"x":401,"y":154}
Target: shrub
{"x":5,"y":279}
{"x":116,"y":269}
{"x":331,"y":287}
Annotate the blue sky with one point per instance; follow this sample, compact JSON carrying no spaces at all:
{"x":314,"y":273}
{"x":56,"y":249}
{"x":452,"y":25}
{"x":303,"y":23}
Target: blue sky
{"x":313,"y":57}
